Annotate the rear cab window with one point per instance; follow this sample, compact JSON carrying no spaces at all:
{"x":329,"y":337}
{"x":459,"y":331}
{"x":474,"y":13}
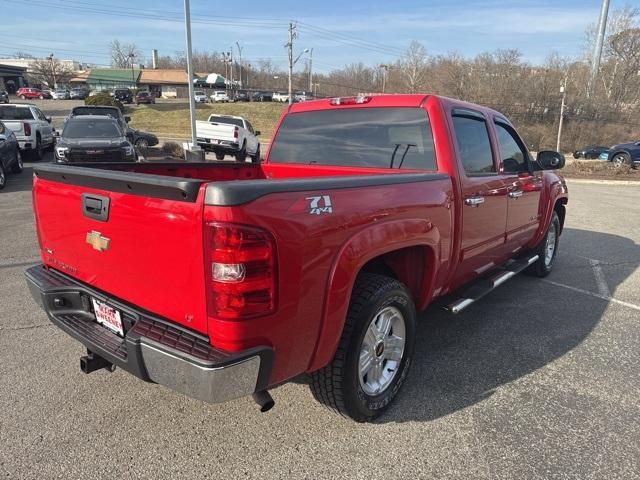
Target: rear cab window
{"x":12,"y":112}
{"x":376,"y":137}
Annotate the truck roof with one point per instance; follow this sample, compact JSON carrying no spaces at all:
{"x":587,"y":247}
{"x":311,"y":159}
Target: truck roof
{"x":388,"y":100}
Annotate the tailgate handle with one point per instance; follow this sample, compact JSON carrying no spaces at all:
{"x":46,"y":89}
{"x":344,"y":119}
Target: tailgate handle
{"x":95,"y":206}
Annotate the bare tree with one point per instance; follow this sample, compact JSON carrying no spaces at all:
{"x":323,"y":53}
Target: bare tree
{"x":122,"y":54}
{"x":413,"y":66}
{"x":50,"y":72}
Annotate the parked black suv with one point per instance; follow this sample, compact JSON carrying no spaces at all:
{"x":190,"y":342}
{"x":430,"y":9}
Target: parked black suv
{"x":93,"y":138}
{"x":124,"y":95}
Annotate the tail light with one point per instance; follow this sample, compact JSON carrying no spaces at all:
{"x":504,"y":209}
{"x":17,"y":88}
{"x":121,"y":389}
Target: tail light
{"x":235,"y":132}
{"x":242,"y":272}
{"x":27,"y":128}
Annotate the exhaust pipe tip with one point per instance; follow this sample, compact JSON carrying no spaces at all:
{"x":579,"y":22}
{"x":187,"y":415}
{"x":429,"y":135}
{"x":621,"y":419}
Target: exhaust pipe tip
{"x":264,"y":400}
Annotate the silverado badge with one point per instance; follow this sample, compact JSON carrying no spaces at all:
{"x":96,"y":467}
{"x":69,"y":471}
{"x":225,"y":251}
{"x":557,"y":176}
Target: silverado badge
{"x":97,"y":241}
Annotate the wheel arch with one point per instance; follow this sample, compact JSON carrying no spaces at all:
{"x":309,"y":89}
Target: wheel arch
{"x":391,"y":248}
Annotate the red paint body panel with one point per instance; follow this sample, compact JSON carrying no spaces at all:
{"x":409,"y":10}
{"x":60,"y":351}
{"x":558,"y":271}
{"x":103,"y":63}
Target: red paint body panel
{"x":428,"y":237}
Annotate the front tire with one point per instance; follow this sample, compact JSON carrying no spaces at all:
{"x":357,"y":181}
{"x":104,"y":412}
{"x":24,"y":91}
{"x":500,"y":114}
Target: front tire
{"x":36,"y":153}
{"x":255,"y":158}
{"x":546,"y":250}
{"x":375,"y":351}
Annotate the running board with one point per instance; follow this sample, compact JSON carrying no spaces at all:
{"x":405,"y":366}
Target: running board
{"x":482,"y":287}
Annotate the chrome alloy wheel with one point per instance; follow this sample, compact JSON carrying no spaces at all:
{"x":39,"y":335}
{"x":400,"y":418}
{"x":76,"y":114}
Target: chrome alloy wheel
{"x":381,"y":351}
{"x":550,"y":247}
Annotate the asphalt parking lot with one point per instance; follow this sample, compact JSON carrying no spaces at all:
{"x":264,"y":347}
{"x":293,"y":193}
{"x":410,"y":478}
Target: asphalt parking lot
{"x":540,"y":379}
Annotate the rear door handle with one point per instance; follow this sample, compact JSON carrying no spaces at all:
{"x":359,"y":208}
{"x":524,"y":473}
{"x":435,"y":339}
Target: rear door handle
{"x":474,"y":201}
{"x":515,"y":193}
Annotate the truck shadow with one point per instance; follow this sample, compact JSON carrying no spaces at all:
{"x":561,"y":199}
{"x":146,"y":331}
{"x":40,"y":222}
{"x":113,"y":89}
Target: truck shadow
{"x":516,"y":329}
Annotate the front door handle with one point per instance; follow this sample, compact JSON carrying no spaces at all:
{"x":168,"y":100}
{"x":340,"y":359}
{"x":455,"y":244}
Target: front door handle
{"x":474,"y":201}
{"x":515,"y":193}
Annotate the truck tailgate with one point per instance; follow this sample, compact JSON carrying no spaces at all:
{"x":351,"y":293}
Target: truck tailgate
{"x":137,"y":237}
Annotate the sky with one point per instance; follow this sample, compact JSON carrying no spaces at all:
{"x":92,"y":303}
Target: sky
{"x":340,"y":32}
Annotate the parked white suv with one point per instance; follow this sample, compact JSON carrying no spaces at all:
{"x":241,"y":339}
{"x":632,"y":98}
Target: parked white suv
{"x":32,"y":128}
{"x":219,"y":96}
{"x":199,"y":96}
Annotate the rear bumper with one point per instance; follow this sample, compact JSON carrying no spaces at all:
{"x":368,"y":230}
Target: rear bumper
{"x":26,"y":144}
{"x":152,"y":349}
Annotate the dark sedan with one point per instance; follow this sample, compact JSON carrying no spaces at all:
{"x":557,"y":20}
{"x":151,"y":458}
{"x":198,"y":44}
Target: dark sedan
{"x":262,"y":97}
{"x":590,"y":152}
{"x":10,"y":158}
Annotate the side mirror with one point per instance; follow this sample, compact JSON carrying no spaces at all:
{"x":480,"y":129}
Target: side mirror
{"x":550,"y":160}
{"x":127,"y":119}
{"x":257,"y":132}
{"x":48,"y":119}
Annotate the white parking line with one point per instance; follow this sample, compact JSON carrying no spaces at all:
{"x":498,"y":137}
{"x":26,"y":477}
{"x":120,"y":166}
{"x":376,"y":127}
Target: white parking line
{"x":603,"y":288}
{"x":608,"y":298}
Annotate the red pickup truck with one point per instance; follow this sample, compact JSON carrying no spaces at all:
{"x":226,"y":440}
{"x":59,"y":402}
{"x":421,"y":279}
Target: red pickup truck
{"x":221,"y":280}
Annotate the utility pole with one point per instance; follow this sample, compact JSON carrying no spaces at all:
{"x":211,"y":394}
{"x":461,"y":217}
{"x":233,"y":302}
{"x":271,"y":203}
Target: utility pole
{"x":563,"y":90}
{"x":311,"y":71}
{"x":131,"y":57}
{"x":240,"y":52}
{"x":53,"y":71}
{"x":289,"y":46}
{"x":230,"y":53}
{"x":194,"y":148}
{"x":385,"y":69}
{"x":597,"y":52}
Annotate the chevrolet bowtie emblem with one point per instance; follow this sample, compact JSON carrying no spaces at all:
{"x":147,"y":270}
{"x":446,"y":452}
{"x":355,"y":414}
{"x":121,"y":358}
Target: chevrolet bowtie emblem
{"x":97,"y":241}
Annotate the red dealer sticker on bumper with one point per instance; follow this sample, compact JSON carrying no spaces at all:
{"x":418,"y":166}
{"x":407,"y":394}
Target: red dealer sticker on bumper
{"x":108,"y":316}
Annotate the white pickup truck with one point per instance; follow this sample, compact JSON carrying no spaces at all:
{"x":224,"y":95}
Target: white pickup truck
{"x":32,"y":128}
{"x":280,"y":97}
{"x":228,"y":135}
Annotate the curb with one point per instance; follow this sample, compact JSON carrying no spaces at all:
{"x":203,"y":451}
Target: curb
{"x":586,"y":181}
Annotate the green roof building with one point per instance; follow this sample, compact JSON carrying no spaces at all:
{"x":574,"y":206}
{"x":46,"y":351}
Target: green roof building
{"x":104,"y":78}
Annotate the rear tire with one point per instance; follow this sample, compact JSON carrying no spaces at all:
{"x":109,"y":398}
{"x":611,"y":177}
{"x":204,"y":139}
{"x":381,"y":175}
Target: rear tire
{"x":3,"y":177}
{"x":620,"y":160}
{"x":256,"y":157}
{"x":546,"y":250}
{"x":241,"y":156}
{"x":375,"y":350}
{"x":36,"y":153}
{"x":17,"y":166}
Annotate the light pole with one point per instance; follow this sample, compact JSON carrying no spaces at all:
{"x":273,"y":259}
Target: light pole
{"x":53,"y":71}
{"x":310,"y":70}
{"x":194,"y":149}
{"x":291,"y":64}
{"x":240,"y":55}
{"x":597,"y":52}
{"x":563,"y":90}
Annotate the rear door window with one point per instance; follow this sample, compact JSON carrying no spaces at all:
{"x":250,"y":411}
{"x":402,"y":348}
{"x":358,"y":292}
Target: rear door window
{"x":474,"y":146}
{"x":398,"y":138}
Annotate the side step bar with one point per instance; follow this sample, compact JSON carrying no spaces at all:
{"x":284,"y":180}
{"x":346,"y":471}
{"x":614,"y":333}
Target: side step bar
{"x":482,"y":287}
